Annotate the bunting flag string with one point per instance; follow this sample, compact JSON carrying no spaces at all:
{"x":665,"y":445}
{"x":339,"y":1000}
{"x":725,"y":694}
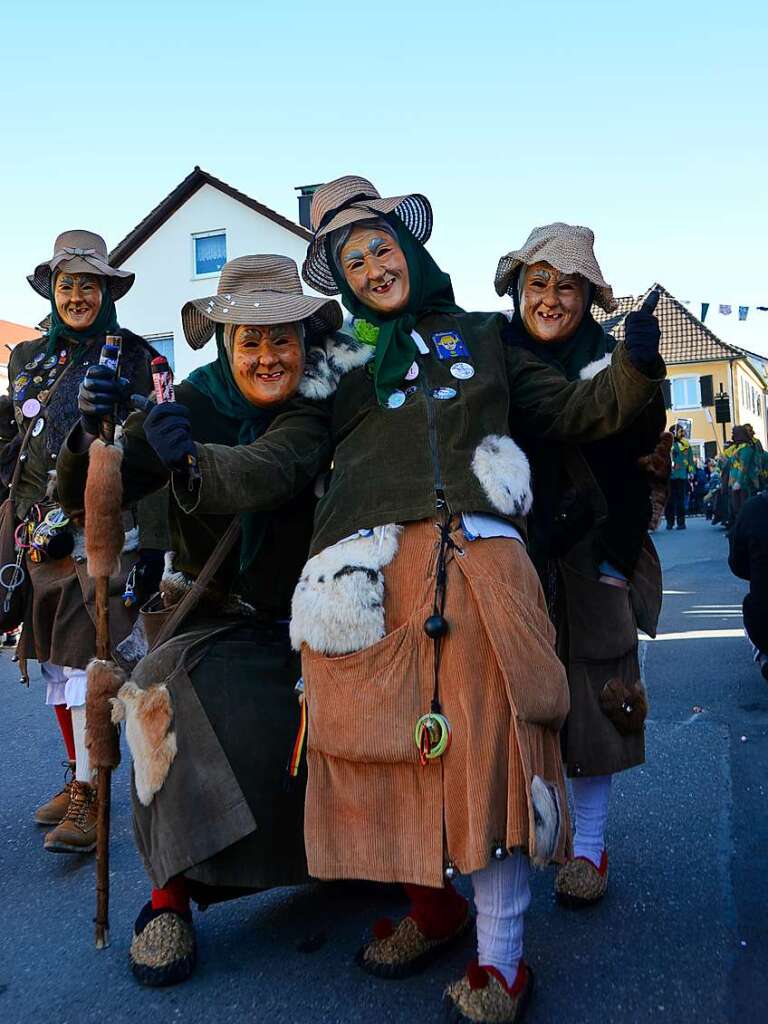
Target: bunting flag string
{"x":726,"y":309}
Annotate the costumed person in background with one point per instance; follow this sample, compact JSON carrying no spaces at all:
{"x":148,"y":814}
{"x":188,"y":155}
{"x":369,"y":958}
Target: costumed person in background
{"x":744,"y":468}
{"x":211,"y":712}
{"x":434,"y":693}
{"x":748,"y":559}
{"x":588,"y":533}
{"x":682,"y":470}
{"x":59,"y":631}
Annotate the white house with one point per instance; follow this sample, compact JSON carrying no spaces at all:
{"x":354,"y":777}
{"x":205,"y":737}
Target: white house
{"x":178,"y":250}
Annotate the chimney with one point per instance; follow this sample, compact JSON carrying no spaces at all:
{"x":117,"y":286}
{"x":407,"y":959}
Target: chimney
{"x":305,"y":203}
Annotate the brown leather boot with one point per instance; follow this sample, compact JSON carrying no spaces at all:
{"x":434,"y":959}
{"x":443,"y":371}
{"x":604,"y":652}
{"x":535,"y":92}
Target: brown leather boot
{"x":52,"y":812}
{"x":77,"y":831}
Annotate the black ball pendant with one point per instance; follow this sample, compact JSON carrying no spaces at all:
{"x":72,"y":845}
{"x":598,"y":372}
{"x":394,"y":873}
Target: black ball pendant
{"x":435,"y":627}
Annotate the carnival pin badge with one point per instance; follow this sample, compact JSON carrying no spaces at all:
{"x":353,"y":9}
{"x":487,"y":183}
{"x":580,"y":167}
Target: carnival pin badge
{"x":449,"y":345}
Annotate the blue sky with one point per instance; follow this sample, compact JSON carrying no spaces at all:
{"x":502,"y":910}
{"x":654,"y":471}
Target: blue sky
{"x":645,"y":121}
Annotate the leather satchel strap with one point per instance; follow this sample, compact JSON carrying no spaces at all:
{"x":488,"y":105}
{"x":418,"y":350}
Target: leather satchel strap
{"x":28,"y":434}
{"x":190,"y":600}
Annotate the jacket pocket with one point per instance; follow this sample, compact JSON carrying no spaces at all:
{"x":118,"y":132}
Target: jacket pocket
{"x":601,"y":622}
{"x":364,"y":706}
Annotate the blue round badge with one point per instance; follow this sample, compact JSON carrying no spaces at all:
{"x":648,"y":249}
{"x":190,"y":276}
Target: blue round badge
{"x":396,"y":399}
{"x":443,"y":393}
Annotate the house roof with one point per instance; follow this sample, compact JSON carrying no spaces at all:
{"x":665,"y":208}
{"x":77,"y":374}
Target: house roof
{"x":684,"y":338}
{"x":176,"y":199}
{"x":11,"y":334}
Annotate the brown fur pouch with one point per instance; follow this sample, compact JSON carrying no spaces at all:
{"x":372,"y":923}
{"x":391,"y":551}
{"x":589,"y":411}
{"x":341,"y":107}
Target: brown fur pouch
{"x":625,"y":704}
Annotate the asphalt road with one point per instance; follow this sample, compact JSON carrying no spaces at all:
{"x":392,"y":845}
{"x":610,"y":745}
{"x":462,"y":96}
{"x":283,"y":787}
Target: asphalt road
{"x":681,"y":936}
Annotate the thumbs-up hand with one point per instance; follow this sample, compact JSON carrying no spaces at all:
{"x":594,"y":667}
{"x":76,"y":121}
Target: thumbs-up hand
{"x":642,"y":334}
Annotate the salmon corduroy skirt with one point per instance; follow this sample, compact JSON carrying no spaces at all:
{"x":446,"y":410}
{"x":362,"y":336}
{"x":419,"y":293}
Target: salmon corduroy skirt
{"x":372,"y":811}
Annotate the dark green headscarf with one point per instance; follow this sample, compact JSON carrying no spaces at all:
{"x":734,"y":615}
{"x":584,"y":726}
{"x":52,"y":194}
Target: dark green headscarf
{"x":216,"y":381}
{"x":105,"y":323}
{"x":430,"y":292}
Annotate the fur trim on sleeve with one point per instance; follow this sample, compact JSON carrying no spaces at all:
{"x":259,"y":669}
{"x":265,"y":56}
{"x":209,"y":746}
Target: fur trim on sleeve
{"x":326,"y":365}
{"x":592,"y":369}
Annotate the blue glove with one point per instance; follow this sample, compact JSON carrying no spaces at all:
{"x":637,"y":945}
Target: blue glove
{"x":99,"y":393}
{"x":168,"y":430}
{"x":642,"y":334}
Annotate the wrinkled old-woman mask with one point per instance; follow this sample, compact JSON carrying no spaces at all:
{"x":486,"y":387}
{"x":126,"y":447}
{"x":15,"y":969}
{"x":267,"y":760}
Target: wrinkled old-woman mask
{"x":376,"y":270}
{"x":78,"y":298}
{"x":267,"y":362}
{"x":552,"y":303}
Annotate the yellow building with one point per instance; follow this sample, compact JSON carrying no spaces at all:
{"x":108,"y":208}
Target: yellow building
{"x":699,"y":367}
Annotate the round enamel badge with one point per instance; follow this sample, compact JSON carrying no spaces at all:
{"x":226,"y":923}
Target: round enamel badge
{"x":462,"y":371}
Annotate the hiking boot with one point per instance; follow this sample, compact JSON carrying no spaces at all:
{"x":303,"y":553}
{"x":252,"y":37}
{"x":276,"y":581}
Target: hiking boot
{"x":163,"y":947}
{"x":52,"y":812}
{"x":77,"y":831}
{"x":579,"y":883}
{"x":482,"y":996}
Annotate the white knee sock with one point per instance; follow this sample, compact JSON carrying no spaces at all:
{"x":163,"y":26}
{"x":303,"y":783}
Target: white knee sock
{"x":83,"y":767}
{"x":590,"y":801}
{"x":502,"y":896}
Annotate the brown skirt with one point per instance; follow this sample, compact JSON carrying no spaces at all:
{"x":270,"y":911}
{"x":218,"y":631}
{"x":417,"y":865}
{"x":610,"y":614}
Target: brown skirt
{"x":372,"y":810}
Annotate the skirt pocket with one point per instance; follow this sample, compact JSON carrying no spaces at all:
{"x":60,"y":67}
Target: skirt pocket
{"x":601,"y":621}
{"x":364,"y":706}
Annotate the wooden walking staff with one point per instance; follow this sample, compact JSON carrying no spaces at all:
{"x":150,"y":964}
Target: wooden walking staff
{"x":104,"y":538}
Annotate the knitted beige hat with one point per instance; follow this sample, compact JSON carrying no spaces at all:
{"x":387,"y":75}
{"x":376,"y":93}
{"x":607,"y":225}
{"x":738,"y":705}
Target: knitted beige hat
{"x":345,"y":201}
{"x":80,"y":252}
{"x":258,"y":290}
{"x":569,"y":248}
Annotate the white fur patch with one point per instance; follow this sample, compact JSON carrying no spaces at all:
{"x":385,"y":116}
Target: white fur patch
{"x":592,"y":369}
{"x":338,"y":603}
{"x":148,"y":715}
{"x":502,"y":469}
{"x":325,"y":366}
{"x":131,"y":542}
{"x":548,"y":820}
{"x":133,"y":647}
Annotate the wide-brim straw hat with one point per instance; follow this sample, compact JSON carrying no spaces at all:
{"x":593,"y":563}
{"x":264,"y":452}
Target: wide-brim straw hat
{"x":80,"y":252}
{"x":346,"y":201}
{"x":569,"y":248}
{"x":258,"y":290}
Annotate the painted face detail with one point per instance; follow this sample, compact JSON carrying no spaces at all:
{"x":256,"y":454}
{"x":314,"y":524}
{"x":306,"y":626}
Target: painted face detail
{"x":553,"y":303}
{"x":78,"y":299}
{"x":267,"y":362}
{"x":376,"y":270}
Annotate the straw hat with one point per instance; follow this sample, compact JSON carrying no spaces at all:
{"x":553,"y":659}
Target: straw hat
{"x":569,"y":248}
{"x":80,"y":252}
{"x":346,"y":201}
{"x":258,"y":290}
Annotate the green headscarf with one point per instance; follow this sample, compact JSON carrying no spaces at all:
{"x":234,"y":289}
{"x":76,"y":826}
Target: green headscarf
{"x":105,"y":323}
{"x":216,"y":381}
{"x":430,"y":292}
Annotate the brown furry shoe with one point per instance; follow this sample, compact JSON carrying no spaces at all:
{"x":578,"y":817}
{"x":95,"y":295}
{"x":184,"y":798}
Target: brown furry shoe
{"x":398,"y":952}
{"x":163,"y":950}
{"x":579,"y":883}
{"x":77,"y":831}
{"x":482,"y":997}
{"x":52,"y":812}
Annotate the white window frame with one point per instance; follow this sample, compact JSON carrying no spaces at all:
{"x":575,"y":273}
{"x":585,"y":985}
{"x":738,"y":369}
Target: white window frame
{"x":162,"y":336}
{"x":206,"y":234}
{"x":686,"y":377}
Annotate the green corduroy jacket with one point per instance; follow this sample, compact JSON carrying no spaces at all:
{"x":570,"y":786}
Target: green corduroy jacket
{"x":437,"y":450}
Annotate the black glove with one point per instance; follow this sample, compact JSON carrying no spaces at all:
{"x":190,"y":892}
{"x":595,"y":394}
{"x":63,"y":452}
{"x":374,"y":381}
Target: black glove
{"x":168,"y":430}
{"x":642,"y":334}
{"x":99,"y":393}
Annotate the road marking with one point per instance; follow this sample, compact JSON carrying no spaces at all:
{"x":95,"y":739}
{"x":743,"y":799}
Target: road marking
{"x":696,"y":634}
{"x":678,"y":591}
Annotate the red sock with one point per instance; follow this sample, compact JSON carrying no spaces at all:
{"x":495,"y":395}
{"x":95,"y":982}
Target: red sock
{"x":173,"y":896}
{"x":437,"y":912}
{"x":64,"y":717}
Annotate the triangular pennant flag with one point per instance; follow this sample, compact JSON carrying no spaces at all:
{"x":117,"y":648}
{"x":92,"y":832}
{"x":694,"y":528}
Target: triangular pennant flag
{"x":743,"y":310}
{"x":725,"y":309}
{"x":763,"y":309}
{"x":704,"y":311}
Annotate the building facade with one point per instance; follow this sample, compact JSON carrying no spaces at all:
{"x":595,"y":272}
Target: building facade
{"x":178,"y":250}
{"x":699,"y":368}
